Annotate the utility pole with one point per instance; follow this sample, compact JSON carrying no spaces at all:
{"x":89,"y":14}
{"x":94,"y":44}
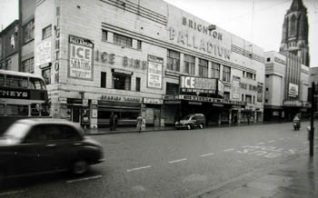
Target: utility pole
{"x":312,"y":129}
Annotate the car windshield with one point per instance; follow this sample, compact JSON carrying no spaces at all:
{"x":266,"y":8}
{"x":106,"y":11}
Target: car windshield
{"x":16,"y":131}
{"x":186,"y":117}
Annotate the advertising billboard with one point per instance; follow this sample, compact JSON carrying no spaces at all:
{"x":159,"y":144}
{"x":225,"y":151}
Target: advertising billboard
{"x":154,"y":76}
{"x":198,"y":85}
{"x":293,"y":90}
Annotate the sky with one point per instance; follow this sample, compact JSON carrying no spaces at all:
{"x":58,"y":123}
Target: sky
{"x":258,"y":21}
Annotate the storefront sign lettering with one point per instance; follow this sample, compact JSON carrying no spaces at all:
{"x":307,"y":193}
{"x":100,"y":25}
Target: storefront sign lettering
{"x":191,"y":82}
{"x":81,"y":58}
{"x":120,"y":99}
{"x":187,"y":39}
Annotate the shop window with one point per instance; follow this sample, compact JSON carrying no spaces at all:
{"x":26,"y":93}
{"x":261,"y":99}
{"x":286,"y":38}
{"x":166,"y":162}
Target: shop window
{"x":46,"y":74}
{"x":226,"y":74}
{"x":137,"y":84}
{"x":139,"y":44}
{"x":122,"y":40}
{"x":172,"y":89}
{"x":189,"y":65}
{"x":28,"y":31}
{"x":215,"y":70}
{"x":28,"y":65}
{"x":103,"y":79}
{"x":47,"y":32}
{"x":121,"y":81}
{"x":203,"y":68}
{"x":104,"y":35}
{"x":173,"y":60}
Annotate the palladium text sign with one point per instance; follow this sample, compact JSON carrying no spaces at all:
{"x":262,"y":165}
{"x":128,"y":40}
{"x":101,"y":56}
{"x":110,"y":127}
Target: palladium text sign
{"x":81,"y":58}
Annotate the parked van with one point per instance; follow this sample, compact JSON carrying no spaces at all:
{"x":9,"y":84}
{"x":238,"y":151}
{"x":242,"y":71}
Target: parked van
{"x":191,"y":121}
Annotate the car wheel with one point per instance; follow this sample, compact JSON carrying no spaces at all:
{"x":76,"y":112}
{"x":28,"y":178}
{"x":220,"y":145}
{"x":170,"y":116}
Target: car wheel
{"x":189,"y":127}
{"x":201,"y":126}
{"x":79,"y":167}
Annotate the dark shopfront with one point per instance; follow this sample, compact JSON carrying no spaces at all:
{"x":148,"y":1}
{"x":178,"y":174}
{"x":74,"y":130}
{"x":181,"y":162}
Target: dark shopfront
{"x":79,"y":111}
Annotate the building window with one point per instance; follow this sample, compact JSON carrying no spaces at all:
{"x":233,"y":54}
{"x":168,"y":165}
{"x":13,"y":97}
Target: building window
{"x":138,"y":84}
{"x":46,"y":74}
{"x":266,"y":100}
{"x":28,"y":65}
{"x":104,"y":35}
{"x":242,"y":97}
{"x":267,"y":76}
{"x":215,"y":70}
{"x":226,"y":74}
{"x":47,"y":32}
{"x":121,"y":81}
{"x":139,"y":44}
{"x":122,"y":40}
{"x":173,"y":60}
{"x":103,"y":79}
{"x":203,"y":68}
{"x":172,"y":89}
{"x":266,"y":88}
{"x":189,"y":65}
{"x":268,"y":59}
{"x":249,"y":75}
{"x":248,"y":98}
{"x":253,"y":99}
{"x":28,"y":31}
{"x":226,"y":95}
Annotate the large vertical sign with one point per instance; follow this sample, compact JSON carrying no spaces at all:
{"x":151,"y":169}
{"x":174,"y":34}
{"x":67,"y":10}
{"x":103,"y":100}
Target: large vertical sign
{"x":155,"y":68}
{"x":236,"y":87}
{"x":259,"y":92}
{"x":81,"y":58}
{"x":293,"y":90}
{"x":43,"y":52}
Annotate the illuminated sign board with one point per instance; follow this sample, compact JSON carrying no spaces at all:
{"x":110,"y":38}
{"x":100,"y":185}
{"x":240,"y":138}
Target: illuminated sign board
{"x":197,"y":84}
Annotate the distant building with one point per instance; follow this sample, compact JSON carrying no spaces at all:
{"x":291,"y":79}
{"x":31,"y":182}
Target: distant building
{"x":9,"y":47}
{"x":295,"y":32}
{"x":286,"y":86}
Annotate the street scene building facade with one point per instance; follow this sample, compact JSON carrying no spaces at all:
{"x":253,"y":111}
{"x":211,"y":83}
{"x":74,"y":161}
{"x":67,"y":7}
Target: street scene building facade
{"x":144,"y":57}
{"x":286,"y":87}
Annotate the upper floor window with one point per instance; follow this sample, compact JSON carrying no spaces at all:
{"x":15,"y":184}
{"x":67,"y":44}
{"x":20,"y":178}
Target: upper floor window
{"x":215,"y":70}
{"x":28,"y":31}
{"x":248,"y":99}
{"x":249,"y":75}
{"x":103,"y":79}
{"x":122,"y":40}
{"x":121,"y":81}
{"x":138,"y":44}
{"x":47,"y":32}
{"x":104,"y":35}
{"x":203,"y":68}
{"x":189,"y":64}
{"x":226,"y":74}
{"x":173,"y":60}
{"x":138,"y":84}
{"x":28,"y":65}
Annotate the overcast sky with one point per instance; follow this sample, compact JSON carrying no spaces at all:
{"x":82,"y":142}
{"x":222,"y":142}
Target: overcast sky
{"x":259,"y":21}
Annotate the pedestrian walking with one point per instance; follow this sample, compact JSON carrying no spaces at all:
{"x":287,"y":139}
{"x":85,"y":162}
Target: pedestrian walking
{"x":111,"y":118}
{"x":139,"y":123}
{"x":115,"y":121}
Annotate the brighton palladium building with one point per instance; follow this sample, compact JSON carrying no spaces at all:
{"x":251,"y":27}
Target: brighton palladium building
{"x":144,"y":57}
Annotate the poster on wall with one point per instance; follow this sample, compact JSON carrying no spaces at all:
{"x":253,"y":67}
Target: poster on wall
{"x":43,"y":52}
{"x":236,"y":87}
{"x":259,"y":92}
{"x":293,"y":90}
{"x":154,"y":76}
{"x":81,"y":58}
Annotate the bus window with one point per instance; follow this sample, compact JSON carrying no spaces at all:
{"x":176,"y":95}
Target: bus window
{"x":36,"y":83}
{"x":35,"y":109}
{"x":20,"y":110}
{"x":17,"y":81}
{"x":1,"y":80}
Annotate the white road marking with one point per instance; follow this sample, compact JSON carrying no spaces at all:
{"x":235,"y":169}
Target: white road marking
{"x":139,"y":168}
{"x":207,"y":154}
{"x":271,"y":141}
{"x":178,"y":160}
{"x":11,"y":193}
{"x":84,"y":179}
{"x":230,"y":149}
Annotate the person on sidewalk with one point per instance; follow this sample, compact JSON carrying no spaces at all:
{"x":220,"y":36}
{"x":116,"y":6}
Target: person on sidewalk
{"x":115,"y":121}
{"x":111,"y":118}
{"x":139,"y":123}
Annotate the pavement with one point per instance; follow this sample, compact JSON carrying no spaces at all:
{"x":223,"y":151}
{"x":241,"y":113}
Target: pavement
{"x":296,"y":178}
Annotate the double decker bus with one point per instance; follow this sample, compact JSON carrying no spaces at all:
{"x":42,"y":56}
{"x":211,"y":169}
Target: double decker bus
{"x":22,"y":95}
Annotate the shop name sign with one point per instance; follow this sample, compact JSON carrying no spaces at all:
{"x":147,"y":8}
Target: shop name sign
{"x":12,"y":93}
{"x":111,"y":58}
{"x":191,"y":82}
{"x":120,"y":98}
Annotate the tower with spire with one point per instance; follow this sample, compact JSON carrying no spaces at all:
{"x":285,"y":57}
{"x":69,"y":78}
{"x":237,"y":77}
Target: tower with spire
{"x":295,"y":32}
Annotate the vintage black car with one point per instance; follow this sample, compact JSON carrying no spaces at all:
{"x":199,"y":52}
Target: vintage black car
{"x":44,"y":145}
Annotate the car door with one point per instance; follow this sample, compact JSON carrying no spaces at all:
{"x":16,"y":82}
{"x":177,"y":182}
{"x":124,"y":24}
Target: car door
{"x":63,"y":144}
{"x":27,"y":153}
